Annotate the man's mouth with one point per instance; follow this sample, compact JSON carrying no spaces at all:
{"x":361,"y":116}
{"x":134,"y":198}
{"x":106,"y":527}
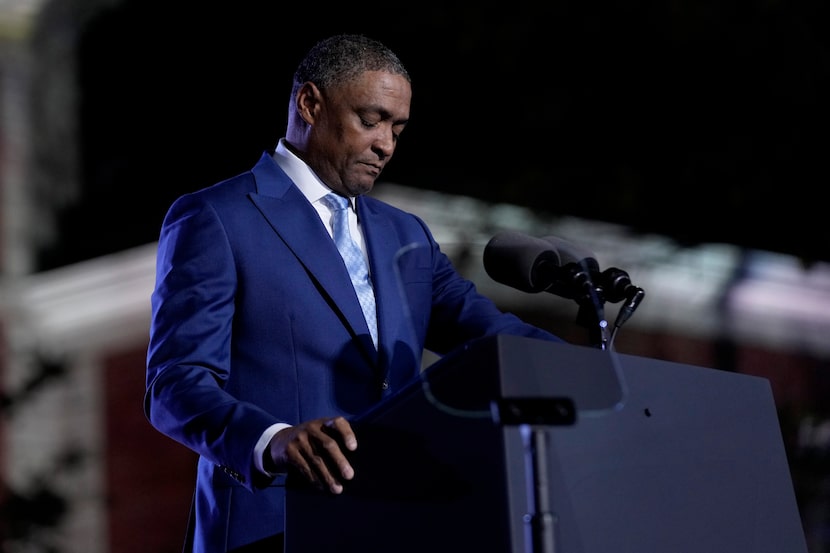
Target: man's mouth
{"x":376,"y":169}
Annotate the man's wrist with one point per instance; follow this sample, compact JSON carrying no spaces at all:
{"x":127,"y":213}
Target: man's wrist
{"x":268,"y":464}
{"x":262,"y":451}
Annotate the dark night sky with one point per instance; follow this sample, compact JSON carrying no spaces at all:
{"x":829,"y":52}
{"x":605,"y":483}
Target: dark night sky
{"x":705,"y":121}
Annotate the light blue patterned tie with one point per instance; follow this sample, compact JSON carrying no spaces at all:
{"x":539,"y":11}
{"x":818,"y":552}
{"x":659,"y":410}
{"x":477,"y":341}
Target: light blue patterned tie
{"x":355,"y":262}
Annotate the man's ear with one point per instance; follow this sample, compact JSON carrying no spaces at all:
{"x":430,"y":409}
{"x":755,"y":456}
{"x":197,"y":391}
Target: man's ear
{"x":308,"y":102}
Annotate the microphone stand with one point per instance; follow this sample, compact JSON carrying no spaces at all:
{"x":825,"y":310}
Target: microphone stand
{"x":540,"y":532}
{"x":591,"y":314}
{"x":534,"y":417}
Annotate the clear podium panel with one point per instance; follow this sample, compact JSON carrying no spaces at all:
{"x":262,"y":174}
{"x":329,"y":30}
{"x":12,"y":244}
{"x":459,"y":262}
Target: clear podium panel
{"x":640,"y":456}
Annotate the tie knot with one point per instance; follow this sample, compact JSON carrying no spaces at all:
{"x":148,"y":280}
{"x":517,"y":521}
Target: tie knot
{"x":335,"y":201}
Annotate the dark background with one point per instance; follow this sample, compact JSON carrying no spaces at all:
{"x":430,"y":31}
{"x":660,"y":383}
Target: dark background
{"x":706,"y":121}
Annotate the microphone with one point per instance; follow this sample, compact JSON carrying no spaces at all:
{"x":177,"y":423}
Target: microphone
{"x":579,"y":270}
{"x":570,"y":252}
{"x":521,"y":261}
{"x":612,"y":284}
{"x":616,"y":285}
{"x":554,"y":265}
{"x":560,"y":267}
{"x":535,"y":265}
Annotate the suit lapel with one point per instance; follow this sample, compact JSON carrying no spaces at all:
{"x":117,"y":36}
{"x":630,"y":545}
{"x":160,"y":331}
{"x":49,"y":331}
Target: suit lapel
{"x":296,"y":222}
{"x":383,"y":250}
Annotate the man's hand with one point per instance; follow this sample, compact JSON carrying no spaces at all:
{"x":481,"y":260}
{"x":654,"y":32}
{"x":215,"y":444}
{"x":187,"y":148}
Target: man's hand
{"x":314,"y":449}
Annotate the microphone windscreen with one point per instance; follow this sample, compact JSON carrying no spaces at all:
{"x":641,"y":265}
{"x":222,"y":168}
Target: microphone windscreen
{"x":572,"y":253}
{"x":513,"y":258}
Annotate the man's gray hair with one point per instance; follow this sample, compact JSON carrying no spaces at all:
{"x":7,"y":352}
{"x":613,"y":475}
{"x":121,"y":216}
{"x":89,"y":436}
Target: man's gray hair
{"x":343,"y":57}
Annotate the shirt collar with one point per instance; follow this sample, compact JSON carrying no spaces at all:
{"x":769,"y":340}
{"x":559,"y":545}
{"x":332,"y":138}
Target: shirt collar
{"x":298,"y":171}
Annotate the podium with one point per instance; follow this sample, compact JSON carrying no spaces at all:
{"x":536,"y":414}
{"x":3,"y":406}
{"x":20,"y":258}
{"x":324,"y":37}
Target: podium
{"x":608,"y":452}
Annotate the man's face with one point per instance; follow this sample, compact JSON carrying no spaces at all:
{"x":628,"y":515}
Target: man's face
{"x":356,"y":130}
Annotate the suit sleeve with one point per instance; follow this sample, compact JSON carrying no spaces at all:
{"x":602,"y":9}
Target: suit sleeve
{"x":188,"y":360}
{"x":459,"y":313}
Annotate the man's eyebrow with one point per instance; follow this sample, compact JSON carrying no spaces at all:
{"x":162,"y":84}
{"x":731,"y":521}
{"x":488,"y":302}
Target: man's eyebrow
{"x":385,"y":115}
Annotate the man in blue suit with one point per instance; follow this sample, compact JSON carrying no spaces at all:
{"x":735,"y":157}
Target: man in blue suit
{"x":259,"y":351}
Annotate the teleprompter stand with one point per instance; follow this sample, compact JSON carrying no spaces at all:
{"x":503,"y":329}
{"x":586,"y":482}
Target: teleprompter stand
{"x":513,"y":445}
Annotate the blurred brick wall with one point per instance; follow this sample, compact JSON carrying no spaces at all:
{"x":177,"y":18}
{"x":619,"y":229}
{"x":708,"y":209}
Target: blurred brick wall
{"x":149,"y":477}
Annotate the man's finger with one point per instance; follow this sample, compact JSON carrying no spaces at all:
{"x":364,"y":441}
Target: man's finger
{"x":344,"y":430}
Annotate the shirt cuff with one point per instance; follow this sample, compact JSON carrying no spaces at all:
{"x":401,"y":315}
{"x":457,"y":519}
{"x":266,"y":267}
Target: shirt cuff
{"x":262,"y":445}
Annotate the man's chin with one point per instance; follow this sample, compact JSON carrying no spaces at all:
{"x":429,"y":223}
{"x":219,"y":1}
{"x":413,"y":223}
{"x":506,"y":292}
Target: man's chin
{"x":361,"y":187}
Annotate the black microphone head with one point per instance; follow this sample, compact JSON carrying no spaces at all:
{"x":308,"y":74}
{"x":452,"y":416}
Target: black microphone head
{"x":579,"y":266}
{"x":616,"y":285}
{"x":520,"y":261}
{"x":572,"y":253}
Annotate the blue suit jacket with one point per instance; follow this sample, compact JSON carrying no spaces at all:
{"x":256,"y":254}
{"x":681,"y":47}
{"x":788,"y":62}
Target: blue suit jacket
{"x":255,"y":321}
